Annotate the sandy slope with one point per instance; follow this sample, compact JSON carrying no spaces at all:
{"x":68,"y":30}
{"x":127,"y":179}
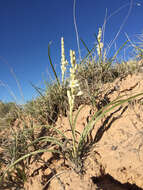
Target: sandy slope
{"x":116,"y":160}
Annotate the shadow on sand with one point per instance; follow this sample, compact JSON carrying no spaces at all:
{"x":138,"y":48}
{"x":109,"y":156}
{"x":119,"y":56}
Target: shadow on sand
{"x":107,"y":182}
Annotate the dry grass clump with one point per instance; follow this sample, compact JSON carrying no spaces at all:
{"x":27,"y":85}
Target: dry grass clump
{"x":8,"y":112}
{"x":46,"y":108}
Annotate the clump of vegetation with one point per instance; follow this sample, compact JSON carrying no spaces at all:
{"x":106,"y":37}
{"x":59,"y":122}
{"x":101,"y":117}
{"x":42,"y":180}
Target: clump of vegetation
{"x":46,"y":108}
{"x":37,"y":134}
{"x":8,"y":113}
{"x":6,"y":108}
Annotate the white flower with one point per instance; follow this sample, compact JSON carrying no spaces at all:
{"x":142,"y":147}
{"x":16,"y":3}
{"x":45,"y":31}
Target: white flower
{"x":100,"y":44}
{"x":63,"y":59}
{"x":70,"y":100}
{"x":99,"y":35}
{"x":79,"y":93}
{"x":73,"y":84}
{"x":99,"y":48}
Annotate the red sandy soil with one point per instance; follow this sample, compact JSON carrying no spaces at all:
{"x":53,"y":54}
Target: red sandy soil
{"x":116,"y":160}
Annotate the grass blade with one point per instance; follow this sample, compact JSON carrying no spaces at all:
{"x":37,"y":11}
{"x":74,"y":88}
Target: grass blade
{"x":85,"y":45}
{"x":56,"y":130}
{"x":52,"y":65}
{"x":24,"y":157}
{"x":89,"y":53}
{"x":115,"y":55}
{"x":37,"y":89}
{"x":100,"y":115}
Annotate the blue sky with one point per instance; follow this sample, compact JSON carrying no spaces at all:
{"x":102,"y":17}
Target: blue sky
{"x":27,"y":26}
